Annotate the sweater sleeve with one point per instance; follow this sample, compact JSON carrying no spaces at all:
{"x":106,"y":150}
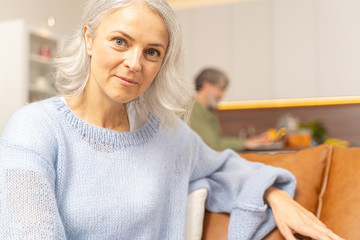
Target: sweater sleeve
{"x":237,"y":186}
{"x":28,"y":208}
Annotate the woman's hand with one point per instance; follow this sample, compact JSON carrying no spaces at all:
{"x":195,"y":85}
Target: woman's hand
{"x":291,"y":217}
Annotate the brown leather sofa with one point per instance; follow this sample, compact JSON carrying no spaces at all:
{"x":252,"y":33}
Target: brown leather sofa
{"x":328,"y":185}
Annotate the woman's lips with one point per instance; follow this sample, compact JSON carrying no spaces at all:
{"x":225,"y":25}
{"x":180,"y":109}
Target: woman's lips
{"x":126,"y":81}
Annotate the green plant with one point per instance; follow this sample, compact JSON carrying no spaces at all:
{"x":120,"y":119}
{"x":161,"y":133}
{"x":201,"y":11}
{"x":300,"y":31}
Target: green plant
{"x":318,"y":130}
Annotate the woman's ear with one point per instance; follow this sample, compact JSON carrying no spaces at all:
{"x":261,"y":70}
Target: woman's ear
{"x":88,"y":40}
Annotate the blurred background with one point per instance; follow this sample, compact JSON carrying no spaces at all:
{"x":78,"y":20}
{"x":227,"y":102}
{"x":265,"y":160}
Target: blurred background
{"x":270,"y":49}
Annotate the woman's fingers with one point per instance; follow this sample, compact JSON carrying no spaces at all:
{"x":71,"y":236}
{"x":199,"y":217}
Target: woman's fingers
{"x":314,"y":228}
{"x":317,"y":231}
{"x":286,"y":231}
{"x":291,"y":217}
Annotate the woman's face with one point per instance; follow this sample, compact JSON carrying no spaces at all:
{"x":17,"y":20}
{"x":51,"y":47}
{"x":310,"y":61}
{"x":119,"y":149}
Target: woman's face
{"x":126,"y":53}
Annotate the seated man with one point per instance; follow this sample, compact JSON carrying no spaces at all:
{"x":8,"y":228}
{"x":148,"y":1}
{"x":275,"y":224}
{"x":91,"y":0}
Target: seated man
{"x":210,"y":87}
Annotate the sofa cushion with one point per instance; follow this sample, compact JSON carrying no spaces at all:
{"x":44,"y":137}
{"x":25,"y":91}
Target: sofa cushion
{"x":310,"y":167}
{"x":195,"y":214}
{"x":341,"y":205}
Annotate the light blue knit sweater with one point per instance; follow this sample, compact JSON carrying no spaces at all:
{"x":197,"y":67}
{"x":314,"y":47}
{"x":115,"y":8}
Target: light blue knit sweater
{"x":61,"y":178}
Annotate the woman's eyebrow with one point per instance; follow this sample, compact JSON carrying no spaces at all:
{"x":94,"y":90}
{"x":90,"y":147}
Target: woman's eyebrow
{"x":132,"y":39}
{"x":157,"y":45}
{"x":125,"y":34}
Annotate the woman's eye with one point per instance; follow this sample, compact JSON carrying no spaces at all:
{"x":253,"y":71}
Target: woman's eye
{"x":153,"y":53}
{"x":119,"y":41}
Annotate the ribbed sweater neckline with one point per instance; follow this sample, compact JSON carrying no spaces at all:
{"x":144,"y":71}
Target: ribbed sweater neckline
{"x":103,"y":136}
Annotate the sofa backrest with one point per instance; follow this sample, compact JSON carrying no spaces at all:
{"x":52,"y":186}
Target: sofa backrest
{"x":340,"y":210}
{"x":328,"y":186}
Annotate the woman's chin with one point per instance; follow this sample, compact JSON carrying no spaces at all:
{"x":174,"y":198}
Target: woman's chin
{"x":123,"y":100}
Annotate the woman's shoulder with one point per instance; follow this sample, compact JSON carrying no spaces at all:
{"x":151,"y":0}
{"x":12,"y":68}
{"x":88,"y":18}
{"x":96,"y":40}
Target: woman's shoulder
{"x":29,"y":109}
{"x":30,"y":137}
{"x":35,"y":111}
{"x":33,"y":119}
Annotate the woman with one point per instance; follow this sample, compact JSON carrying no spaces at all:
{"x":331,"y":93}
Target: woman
{"x":110,"y":159}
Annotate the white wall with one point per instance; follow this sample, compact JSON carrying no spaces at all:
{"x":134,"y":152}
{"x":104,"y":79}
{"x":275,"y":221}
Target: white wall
{"x":269,"y":48}
{"x":14,"y":44}
{"x":66,"y":12}
{"x":13,"y":70}
{"x":277,"y":48}
{"x":295,"y":46}
{"x":339,"y":47}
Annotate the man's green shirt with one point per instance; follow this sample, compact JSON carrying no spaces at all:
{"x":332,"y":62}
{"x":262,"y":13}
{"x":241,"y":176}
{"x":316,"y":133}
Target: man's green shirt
{"x":204,"y":121}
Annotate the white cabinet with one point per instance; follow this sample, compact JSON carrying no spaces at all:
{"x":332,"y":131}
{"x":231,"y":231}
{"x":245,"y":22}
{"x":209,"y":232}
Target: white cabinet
{"x":26,"y":52}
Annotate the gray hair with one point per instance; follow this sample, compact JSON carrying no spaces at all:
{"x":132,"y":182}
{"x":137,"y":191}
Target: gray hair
{"x":166,"y":97}
{"x":211,"y":75}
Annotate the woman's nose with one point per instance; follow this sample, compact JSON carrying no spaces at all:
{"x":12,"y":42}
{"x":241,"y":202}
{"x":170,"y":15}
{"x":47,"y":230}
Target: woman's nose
{"x":133,"y":60}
